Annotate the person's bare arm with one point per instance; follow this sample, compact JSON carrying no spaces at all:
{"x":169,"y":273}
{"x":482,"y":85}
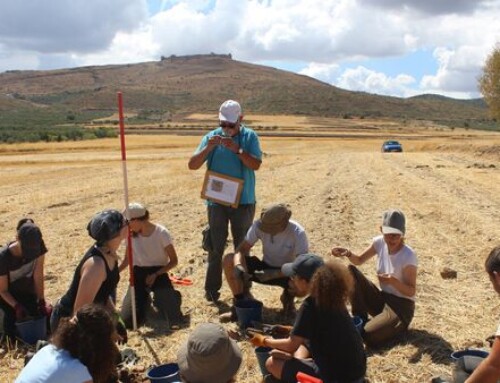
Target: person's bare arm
{"x":38,"y":277}
{"x":290,"y":344}
{"x":93,"y":273}
{"x":407,"y":286}
{"x":199,"y":158}
{"x":124,"y":262}
{"x":489,"y":369}
{"x":248,"y":160}
{"x":242,"y":251}
{"x":171,"y":254}
{"x":4,"y":291}
{"x":353,"y":258}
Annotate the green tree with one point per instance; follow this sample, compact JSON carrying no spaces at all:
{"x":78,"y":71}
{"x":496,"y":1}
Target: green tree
{"x":489,"y":82}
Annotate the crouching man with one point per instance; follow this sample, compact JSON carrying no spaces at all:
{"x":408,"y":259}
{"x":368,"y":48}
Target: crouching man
{"x":282,"y":241}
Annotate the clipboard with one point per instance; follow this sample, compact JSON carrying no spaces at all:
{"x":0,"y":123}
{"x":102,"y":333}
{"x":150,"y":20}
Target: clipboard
{"x":222,"y":189}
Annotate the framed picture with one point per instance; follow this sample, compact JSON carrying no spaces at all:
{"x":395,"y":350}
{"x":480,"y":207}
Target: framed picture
{"x":222,"y":189}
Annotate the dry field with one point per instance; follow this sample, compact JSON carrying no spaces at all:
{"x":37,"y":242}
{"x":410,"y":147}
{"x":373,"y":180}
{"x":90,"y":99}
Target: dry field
{"x":447,"y":185}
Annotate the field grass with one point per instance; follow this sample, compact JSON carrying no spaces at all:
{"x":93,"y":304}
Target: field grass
{"x":336,"y":187}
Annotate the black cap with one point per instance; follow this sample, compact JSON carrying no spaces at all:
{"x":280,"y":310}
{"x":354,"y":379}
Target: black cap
{"x":30,"y":237}
{"x":305,"y":265}
{"x":105,"y":225}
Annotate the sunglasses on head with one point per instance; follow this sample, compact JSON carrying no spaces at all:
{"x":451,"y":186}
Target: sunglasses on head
{"x":228,"y":125}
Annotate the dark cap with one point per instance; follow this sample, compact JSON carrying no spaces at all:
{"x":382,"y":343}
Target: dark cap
{"x":105,"y":225}
{"x":274,"y":218}
{"x":304,"y":266}
{"x":393,"y":222}
{"x":30,"y":237}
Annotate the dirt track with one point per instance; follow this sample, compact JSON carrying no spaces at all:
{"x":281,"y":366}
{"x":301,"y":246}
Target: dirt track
{"x":337,"y":189}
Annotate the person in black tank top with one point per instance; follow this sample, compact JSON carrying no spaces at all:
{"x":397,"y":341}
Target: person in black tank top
{"x":96,"y":276}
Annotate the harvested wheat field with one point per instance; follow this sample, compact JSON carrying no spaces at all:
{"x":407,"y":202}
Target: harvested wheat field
{"x":447,"y":184}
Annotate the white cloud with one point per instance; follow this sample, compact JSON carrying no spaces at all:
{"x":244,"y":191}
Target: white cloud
{"x":324,"y":72}
{"x":366,"y":80}
{"x":57,"y":26}
{"x":457,"y":73}
{"x":125,"y":48}
{"x":321,"y":34}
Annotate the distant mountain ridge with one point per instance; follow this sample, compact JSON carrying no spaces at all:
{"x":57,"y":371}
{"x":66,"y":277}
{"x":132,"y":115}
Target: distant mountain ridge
{"x":181,"y":85}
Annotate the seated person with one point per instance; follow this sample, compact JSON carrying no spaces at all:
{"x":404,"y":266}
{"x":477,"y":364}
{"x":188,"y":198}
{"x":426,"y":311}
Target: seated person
{"x":22,"y":277}
{"x":82,"y":350}
{"x":393,"y":305}
{"x":282,"y":240}
{"x":209,"y":356}
{"x":96,"y":276}
{"x":489,"y":369}
{"x":323,"y":325}
{"x":153,"y":256}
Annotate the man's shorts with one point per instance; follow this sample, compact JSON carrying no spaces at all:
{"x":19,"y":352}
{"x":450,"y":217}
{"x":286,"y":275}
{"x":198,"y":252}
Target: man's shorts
{"x":256,"y":264}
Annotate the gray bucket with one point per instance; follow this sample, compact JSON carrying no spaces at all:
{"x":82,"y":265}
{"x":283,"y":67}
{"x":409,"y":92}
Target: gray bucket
{"x":32,"y":330}
{"x":248,"y":311}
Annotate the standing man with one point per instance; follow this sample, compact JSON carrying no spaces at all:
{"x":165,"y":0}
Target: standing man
{"x":233,"y":150}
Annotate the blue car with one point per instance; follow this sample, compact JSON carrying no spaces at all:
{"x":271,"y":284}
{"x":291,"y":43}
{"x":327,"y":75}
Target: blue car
{"x":391,"y":146}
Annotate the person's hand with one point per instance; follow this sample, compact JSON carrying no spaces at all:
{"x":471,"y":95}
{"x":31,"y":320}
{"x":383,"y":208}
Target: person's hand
{"x":21,"y":312}
{"x":281,"y":331}
{"x":44,"y":308}
{"x":385,"y":278}
{"x":228,"y":142}
{"x":213,"y":142}
{"x":341,"y":252}
{"x":121,"y":329}
{"x":150,"y":279}
{"x":257,"y":339}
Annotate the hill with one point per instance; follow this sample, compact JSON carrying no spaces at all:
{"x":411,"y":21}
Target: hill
{"x":178,"y":86}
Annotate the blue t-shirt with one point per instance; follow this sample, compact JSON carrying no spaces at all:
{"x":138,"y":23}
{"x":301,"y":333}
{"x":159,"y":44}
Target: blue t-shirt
{"x":53,"y":365}
{"x":224,"y":161}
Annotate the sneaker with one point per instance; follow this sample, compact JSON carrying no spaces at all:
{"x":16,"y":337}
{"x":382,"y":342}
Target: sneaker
{"x":230,"y":316}
{"x":212,"y":296}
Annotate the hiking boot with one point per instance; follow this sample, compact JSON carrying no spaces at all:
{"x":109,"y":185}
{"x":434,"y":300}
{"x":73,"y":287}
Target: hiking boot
{"x":288,"y":304}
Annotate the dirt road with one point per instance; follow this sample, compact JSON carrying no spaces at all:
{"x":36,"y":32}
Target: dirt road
{"x":448,"y":188}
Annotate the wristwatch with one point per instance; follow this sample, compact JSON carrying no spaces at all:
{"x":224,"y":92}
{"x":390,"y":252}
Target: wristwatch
{"x":240,"y":151}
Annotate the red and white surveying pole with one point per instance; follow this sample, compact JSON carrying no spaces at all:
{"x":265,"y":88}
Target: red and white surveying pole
{"x":130,"y":255}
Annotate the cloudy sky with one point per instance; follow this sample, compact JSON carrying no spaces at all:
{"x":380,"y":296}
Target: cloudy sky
{"x":392,"y":47}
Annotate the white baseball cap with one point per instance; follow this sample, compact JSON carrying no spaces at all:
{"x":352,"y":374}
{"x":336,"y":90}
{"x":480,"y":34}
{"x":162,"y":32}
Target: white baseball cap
{"x":230,"y":111}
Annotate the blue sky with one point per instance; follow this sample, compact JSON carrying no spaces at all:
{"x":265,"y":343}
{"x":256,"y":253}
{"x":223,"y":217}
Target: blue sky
{"x":392,"y":47}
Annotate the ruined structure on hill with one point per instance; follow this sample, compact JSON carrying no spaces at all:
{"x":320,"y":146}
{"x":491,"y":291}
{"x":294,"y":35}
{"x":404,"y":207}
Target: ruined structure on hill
{"x":172,"y":58}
